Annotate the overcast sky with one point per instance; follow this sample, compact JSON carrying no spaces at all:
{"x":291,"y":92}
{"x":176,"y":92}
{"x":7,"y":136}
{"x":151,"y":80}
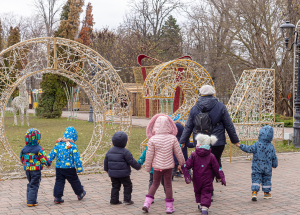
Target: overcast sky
{"x":107,"y":13}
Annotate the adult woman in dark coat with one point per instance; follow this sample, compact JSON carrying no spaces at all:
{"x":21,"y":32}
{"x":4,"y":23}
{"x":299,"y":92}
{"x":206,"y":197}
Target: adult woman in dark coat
{"x":219,"y":117}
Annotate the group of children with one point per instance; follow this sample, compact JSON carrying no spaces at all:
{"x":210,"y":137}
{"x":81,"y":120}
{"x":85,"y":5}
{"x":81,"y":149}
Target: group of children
{"x":33,"y":158}
{"x":160,"y":156}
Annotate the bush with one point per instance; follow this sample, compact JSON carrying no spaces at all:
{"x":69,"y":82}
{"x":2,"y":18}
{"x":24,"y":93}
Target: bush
{"x":53,"y":98}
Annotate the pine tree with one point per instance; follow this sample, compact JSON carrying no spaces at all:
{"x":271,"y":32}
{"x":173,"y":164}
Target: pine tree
{"x":171,"y":39}
{"x":14,"y":36}
{"x":70,"y":19}
{"x":87,"y":26}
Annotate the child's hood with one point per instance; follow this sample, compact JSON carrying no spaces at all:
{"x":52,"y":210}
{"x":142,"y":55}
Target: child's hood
{"x":32,"y":137}
{"x":201,"y":152}
{"x":161,"y":124}
{"x":179,"y":130}
{"x":265,"y":134}
{"x":120,"y":139}
{"x":71,"y":133}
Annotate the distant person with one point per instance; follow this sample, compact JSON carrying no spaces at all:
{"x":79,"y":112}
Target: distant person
{"x":33,"y":158}
{"x":264,"y":159}
{"x":117,"y":163}
{"x":68,"y":163}
{"x":204,"y":165}
{"x":161,"y":132}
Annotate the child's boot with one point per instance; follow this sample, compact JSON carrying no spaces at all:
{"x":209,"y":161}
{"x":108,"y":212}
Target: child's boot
{"x":204,"y":210}
{"x":254,"y":196}
{"x":169,"y":206}
{"x":58,"y":200}
{"x":199,"y":207}
{"x":148,"y":201}
{"x":80,"y":197}
{"x":267,"y":195}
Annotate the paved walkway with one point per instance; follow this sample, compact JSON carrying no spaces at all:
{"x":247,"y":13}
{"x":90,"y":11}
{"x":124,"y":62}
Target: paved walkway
{"x":233,"y":199}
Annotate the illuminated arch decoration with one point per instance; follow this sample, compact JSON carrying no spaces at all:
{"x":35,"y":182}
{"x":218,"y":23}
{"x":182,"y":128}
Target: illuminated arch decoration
{"x":82,"y":65}
{"x":163,"y":81}
{"x":252,"y":105}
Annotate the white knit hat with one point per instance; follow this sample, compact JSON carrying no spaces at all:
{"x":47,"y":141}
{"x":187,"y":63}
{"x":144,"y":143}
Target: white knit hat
{"x":203,"y":139}
{"x":207,"y":90}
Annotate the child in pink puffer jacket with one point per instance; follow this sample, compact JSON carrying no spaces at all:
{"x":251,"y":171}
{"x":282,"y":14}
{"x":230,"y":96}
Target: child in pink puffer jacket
{"x":161,"y":132}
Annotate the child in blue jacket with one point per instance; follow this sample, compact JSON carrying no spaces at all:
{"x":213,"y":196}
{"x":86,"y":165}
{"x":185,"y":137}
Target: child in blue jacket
{"x":33,"y":158}
{"x":67,"y":157}
{"x":264,"y":159}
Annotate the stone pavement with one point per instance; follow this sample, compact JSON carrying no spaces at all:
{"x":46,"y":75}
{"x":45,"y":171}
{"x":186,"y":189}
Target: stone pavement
{"x":233,"y":199}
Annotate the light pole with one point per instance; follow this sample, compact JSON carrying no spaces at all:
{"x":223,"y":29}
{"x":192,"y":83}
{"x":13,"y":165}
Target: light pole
{"x":287,"y":32}
{"x":91,"y":112}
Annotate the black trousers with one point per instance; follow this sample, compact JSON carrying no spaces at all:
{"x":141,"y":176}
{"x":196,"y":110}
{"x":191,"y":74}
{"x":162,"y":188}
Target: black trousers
{"x":72,"y":177}
{"x":34,"y":179}
{"x":217,"y":152}
{"x":116,"y":186}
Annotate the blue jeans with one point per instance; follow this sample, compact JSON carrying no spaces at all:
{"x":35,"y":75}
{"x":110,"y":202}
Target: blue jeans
{"x":34,"y":179}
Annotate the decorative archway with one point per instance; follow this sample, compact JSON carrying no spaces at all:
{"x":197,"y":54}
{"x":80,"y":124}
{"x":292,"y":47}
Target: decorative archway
{"x":162,"y":82}
{"x":81,"y":64}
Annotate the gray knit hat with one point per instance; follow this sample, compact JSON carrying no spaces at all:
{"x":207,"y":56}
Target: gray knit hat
{"x":207,"y":90}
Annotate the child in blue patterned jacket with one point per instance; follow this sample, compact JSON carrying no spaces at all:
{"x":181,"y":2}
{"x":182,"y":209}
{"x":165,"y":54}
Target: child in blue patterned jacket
{"x":33,"y":158}
{"x":67,"y":157}
{"x":264,"y":159}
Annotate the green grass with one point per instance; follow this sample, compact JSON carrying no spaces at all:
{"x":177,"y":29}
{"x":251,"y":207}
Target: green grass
{"x":288,"y":121}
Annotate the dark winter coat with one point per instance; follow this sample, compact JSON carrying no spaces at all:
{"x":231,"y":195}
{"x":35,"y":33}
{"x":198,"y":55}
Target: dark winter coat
{"x":118,"y":159}
{"x":219,"y":117}
{"x":187,"y":145}
{"x":204,"y":165}
{"x":264,"y":156}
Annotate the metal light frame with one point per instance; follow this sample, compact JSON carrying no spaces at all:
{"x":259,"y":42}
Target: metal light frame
{"x":74,"y":61}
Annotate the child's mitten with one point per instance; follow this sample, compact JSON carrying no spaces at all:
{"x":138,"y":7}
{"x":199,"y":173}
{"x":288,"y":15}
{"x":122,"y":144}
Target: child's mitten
{"x":222,"y":176}
{"x":186,"y":174}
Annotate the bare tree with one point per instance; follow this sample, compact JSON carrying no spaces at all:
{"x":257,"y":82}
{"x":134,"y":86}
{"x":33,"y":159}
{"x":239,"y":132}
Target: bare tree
{"x":48,"y":10}
{"x":148,"y":17}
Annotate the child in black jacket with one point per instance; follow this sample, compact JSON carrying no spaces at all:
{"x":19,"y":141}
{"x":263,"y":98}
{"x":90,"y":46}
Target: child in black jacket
{"x":117,"y":164}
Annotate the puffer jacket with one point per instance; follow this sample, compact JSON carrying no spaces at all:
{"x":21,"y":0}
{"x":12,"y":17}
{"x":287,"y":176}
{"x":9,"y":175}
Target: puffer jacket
{"x":67,"y":157}
{"x":204,"y":165}
{"x":264,"y":156}
{"x":118,"y":160}
{"x":161,"y":132}
{"x":32,"y":155}
{"x":187,"y":145}
{"x":219,"y":116}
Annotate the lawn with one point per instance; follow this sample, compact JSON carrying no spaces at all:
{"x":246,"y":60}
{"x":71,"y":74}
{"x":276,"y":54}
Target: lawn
{"x":51,"y":129}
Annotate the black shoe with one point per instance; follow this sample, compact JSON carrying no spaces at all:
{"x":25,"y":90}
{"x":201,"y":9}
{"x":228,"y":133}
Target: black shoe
{"x":128,"y":202}
{"x":81,"y":196}
{"x":212,"y":200}
{"x":58,"y":200}
{"x":118,"y":203}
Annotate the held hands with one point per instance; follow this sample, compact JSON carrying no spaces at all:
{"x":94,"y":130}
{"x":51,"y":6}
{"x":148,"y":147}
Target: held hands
{"x":182,"y":145}
{"x":64,"y":140}
{"x":141,"y":167}
{"x":238,"y":144}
